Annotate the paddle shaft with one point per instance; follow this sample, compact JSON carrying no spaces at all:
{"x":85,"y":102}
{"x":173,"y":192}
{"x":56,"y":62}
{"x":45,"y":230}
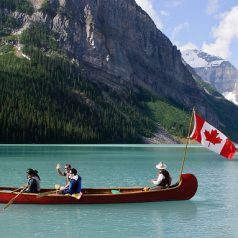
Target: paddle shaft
{"x":14,"y":198}
{"x":18,"y":188}
{"x":57,"y":187}
{"x":46,"y":193}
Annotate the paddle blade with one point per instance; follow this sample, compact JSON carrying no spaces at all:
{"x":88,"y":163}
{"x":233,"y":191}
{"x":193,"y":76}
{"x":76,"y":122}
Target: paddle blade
{"x":77,"y":195}
{"x":57,"y":186}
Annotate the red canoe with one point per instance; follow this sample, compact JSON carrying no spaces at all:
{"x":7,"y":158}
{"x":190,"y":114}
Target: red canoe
{"x":184,"y":190}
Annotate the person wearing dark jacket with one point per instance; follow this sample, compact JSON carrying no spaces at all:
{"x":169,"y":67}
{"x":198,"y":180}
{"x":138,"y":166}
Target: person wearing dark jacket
{"x":163,"y":179}
{"x":74,"y":183}
{"x":33,"y":181}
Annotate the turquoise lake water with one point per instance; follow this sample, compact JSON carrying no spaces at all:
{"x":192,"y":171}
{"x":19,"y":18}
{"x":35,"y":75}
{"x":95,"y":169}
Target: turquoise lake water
{"x":212,"y":212}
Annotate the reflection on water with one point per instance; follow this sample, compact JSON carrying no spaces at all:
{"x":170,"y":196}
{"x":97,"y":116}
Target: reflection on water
{"x":132,"y":220}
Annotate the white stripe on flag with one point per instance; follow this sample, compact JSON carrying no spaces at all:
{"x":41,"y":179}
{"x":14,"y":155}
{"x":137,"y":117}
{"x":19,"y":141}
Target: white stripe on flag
{"x":216,"y":147}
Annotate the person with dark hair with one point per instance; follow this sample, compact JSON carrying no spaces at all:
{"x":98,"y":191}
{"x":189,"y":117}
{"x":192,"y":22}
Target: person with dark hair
{"x":163,"y":179}
{"x":74,"y":183}
{"x":66,"y":173}
{"x":33,"y":181}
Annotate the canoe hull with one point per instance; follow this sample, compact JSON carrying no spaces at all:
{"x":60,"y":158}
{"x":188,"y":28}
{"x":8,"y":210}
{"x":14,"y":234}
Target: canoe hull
{"x":185,"y":190}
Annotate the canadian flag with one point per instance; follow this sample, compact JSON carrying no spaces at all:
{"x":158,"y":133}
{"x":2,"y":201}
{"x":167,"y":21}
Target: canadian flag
{"x":212,"y":138}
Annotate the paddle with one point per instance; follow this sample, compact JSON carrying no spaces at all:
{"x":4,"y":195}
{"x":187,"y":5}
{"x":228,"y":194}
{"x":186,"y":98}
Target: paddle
{"x":14,"y":198}
{"x":19,"y":188}
{"x":145,"y":189}
{"x":57,"y":187}
{"x":77,"y":195}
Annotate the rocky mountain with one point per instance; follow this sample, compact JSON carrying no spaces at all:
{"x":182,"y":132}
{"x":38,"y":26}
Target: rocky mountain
{"x":109,"y":62}
{"x":220,"y":73}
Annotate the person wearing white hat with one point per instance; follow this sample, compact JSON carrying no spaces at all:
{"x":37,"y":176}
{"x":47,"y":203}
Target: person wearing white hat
{"x":163,"y":179}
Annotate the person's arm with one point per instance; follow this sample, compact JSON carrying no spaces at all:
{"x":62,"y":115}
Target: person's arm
{"x":69,"y":189}
{"x":59,"y":171}
{"x":67,"y":185}
{"x":158,"y":180}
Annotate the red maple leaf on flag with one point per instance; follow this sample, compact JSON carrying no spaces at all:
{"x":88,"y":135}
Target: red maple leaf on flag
{"x":212,"y":137}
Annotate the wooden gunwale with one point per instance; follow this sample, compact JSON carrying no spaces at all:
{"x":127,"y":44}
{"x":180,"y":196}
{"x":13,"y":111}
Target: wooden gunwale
{"x":183,"y":190}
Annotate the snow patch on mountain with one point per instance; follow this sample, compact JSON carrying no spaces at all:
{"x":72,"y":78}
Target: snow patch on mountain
{"x":199,"y":59}
{"x":231,"y":97}
{"x":221,"y":74}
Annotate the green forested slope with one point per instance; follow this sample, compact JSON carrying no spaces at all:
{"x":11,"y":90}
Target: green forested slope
{"x":45,"y":100}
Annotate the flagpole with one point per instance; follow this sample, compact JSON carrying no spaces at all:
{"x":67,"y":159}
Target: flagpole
{"x":185,"y":150}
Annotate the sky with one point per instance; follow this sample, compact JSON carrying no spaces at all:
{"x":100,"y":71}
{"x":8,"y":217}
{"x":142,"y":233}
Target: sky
{"x":207,"y":25}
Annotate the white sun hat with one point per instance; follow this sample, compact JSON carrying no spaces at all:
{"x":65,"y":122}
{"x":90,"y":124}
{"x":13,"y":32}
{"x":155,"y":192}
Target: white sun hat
{"x":161,"y":165}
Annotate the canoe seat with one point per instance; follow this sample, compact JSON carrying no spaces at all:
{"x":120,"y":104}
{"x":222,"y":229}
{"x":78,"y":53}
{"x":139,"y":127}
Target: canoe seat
{"x":114,"y":191}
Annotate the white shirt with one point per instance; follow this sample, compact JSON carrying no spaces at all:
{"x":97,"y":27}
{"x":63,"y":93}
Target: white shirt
{"x":159,"y":179}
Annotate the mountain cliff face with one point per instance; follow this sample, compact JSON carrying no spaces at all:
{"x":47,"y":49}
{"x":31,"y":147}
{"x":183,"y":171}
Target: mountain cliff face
{"x":118,"y":41}
{"x":115,"y":45}
{"x":220,"y":73}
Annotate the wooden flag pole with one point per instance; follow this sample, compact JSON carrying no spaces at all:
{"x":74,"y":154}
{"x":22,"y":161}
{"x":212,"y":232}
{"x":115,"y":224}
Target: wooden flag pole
{"x":185,"y":150}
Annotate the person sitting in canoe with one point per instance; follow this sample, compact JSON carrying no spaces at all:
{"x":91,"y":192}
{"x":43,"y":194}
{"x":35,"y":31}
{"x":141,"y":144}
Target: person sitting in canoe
{"x":33,"y":181}
{"x":163,"y":179}
{"x":74,"y":183}
{"x":66,"y":173}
